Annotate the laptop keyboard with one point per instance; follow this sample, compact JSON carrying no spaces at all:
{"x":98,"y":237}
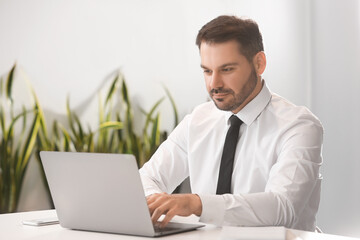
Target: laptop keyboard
{"x":157,"y":228}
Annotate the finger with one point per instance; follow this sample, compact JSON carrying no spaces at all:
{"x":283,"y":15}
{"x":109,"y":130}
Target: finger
{"x":151,"y":209}
{"x":157,"y":213}
{"x":155,"y":201}
{"x":153,"y":206}
{"x":154,"y":197}
{"x":169,"y":215}
{"x":151,"y":198}
{"x":161,"y":207}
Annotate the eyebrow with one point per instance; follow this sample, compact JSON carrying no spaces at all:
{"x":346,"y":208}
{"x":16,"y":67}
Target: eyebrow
{"x":222,"y":66}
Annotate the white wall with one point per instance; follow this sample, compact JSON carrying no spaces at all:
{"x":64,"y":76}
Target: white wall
{"x":336,"y":101}
{"x":66,"y":45}
{"x":73,"y":46}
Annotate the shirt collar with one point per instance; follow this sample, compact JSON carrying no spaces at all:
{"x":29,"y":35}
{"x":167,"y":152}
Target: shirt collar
{"x":253,"y":109}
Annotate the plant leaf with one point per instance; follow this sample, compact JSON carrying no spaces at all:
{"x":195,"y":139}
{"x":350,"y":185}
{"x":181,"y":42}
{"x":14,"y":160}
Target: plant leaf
{"x":38,"y":108}
{"x":22,"y":114}
{"x":29,"y":143}
{"x":113,"y":88}
{"x":2,"y":119}
{"x":1,"y":90}
{"x":67,"y":138}
{"x":155,"y":135}
{"x":79,"y":127}
{"x":176,"y":115}
{"x":112,"y":125}
{"x":70,"y":117}
{"x":149,"y":115}
{"x":9,"y":83}
{"x":125,"y":94}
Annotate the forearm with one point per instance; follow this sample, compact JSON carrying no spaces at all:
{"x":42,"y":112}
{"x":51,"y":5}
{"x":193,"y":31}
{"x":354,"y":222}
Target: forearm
{"x":294,"y":207}
{"x":257,"y":209}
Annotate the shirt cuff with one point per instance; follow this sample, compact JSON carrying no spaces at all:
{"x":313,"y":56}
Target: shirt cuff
{"x":213,"y":209}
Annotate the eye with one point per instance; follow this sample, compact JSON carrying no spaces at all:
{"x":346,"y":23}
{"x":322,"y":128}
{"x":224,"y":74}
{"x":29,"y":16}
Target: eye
{"x":229,"y":69}
{"x":207,"y":71}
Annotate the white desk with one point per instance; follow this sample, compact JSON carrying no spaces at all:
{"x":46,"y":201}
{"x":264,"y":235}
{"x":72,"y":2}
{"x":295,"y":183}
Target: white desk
{"x":11,"y":228}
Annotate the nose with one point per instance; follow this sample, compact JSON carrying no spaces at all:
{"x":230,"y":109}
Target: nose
{"x":216,"y":81}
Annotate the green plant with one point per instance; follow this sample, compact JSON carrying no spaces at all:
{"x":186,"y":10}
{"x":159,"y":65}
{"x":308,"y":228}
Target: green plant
{"x":115,"y":133}
{"x":15,"y":148}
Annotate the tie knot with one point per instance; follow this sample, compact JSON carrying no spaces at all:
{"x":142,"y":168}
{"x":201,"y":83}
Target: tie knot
{"x":235,"y":121}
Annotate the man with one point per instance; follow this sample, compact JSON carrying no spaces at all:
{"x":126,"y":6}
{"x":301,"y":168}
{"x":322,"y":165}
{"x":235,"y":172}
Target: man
{"x":274,"y":174}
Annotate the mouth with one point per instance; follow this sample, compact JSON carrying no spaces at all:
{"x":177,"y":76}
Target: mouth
{"x":218,"y":94}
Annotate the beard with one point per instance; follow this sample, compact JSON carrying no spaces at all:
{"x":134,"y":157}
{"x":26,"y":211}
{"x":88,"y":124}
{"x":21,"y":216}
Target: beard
{"x":237,"y":99}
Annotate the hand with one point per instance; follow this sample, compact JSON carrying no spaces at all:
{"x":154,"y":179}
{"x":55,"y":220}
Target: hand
{"x":173,"y":204}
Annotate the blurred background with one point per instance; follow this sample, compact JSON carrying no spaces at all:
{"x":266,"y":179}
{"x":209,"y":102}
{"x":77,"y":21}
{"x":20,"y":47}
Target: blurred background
{"x":73,"y":47}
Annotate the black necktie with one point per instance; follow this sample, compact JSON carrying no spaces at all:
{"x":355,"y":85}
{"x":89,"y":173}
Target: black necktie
{"x":227,"y":159}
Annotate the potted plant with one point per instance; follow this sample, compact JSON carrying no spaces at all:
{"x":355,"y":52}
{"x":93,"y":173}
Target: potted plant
{"x":115,"y":133}
{"x":16,"y":147}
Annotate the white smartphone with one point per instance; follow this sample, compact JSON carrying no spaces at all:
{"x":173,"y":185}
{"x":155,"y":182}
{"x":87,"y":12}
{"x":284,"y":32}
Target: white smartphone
{"x":41,"y":221}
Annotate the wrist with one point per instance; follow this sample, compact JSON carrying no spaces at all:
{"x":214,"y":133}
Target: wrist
{"x":197,"y":204}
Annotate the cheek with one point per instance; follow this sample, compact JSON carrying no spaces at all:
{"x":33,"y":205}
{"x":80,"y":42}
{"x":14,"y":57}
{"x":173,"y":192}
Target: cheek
{"x":237,"y":82}
{"x":207,"y":82}
{"x":233,"y":82}
{"x":239,"y":85}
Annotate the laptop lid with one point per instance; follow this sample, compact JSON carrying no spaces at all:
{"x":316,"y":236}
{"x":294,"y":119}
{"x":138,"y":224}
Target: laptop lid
{"x":100,"y":192}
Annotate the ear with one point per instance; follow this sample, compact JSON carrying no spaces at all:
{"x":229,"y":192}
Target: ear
{"x":259,"y":61}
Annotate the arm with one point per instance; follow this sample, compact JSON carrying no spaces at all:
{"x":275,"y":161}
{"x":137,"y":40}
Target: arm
{"x":168,"y":167}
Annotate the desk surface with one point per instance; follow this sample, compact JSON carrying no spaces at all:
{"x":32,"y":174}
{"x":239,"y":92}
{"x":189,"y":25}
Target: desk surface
{"x":11,"y":227}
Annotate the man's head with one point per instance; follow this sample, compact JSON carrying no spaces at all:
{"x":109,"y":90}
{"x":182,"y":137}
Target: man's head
{"x":226,"y":28}
{"x":233,"y":60}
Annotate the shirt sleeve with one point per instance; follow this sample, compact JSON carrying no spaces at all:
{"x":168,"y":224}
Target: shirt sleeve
{"x":168,"y":167}
{"x":293,"y":182}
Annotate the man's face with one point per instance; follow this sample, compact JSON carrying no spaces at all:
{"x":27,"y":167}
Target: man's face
{"x":230,"y":78}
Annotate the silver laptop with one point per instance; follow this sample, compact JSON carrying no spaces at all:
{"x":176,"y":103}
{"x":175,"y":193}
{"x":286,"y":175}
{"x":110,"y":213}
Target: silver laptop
{"x":101,"y":192}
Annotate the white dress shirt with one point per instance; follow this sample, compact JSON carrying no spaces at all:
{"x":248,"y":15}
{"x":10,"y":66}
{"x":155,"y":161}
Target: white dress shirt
{"x":275,"y":180}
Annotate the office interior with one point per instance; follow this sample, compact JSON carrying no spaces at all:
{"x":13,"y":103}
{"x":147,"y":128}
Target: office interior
{"x":74,"y":47}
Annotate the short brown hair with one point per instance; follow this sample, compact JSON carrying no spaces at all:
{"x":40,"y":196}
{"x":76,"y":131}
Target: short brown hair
{"x":226,"y":28}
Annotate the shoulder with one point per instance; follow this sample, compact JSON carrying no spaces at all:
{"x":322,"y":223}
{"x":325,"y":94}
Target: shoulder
{"x":292,"y":120}
{"x":286,"y":111}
